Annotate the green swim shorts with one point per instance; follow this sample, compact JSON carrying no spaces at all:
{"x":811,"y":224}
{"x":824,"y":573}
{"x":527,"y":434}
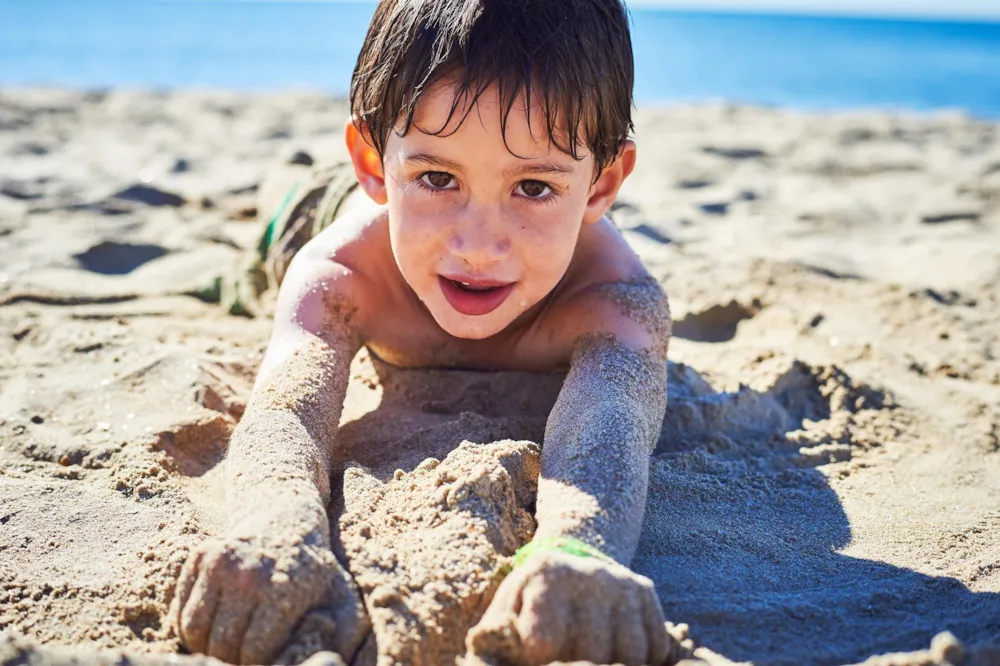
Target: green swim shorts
{"x":296,"y":201}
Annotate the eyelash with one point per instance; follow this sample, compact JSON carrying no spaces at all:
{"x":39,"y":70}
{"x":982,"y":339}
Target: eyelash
{"x":548,"y":198}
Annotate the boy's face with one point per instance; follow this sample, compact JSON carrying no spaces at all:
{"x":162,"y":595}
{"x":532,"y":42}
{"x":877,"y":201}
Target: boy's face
{"x":482,"y":230}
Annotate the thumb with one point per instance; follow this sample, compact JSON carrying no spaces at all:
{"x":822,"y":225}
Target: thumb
{"x":494,"y":640}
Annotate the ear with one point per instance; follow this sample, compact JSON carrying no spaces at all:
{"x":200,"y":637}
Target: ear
{"x":367,"y":163}
{"x":604,"y":191}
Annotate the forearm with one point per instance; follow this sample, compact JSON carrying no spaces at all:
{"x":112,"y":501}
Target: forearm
{"x":597,"y":445}
{"x":280,"y":455}
{"x":274,"y":469}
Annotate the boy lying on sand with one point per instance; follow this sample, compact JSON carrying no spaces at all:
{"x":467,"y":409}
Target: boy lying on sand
{"x":489,"y":139}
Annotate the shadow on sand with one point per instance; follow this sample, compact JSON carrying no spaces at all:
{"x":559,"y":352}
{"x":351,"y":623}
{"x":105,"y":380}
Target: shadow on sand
{"x":741,"y":529}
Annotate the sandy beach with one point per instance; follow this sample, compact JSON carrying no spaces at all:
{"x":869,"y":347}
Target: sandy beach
{"x":826,"y":486}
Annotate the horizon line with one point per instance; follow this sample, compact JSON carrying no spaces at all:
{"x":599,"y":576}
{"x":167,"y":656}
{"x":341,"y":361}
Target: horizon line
{"x":967,"y":10}
{"x":959,"y":10}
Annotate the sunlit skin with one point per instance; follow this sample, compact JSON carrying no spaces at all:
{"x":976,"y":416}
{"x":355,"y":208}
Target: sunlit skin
{"x":465,"y":205}
{"x":461,"y":250}
{"x":468,"y":207}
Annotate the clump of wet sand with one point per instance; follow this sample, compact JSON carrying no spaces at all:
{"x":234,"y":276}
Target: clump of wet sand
{"x":824,"y":486}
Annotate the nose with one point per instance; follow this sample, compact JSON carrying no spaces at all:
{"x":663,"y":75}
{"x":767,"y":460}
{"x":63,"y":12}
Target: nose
{"x":481,"y":238}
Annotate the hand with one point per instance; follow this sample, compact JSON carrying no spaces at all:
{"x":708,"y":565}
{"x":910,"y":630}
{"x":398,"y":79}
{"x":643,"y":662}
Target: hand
{"x":239,"y":599}
{"x":562,"y":607}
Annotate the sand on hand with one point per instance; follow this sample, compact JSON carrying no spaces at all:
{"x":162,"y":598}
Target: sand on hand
{"x":826,"y":482}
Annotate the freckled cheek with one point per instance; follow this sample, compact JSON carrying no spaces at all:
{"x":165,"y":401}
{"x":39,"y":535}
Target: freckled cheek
{"x":419,"y":237}
{"x":420,"y":217}
{"x":547,"y":244}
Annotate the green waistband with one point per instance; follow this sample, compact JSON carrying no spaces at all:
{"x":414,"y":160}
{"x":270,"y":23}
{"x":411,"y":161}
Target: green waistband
{"x":269,"y":235}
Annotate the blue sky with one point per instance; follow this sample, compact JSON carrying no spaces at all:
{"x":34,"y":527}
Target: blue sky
{"x":954,"y":8}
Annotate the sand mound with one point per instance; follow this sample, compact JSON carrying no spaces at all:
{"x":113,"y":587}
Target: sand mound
{"x":824,"y":488}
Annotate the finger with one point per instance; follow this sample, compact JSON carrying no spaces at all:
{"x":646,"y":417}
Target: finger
{"x":316,"y":628}
{"x":271,"y":624}
{"x":232,"y":617}
{"x":509,"y":595}
{"x":590,"y":639}
{"x":506,"y":602}
{"x":494,"y":634}
{"x":353,"y":624}
{"x":324,"y":658}
{"x":543,"y":619}
{"x":656,"y":631}
{"x":631,"y":645}
{"x":185,"y":584}
{"x":199,"y":611}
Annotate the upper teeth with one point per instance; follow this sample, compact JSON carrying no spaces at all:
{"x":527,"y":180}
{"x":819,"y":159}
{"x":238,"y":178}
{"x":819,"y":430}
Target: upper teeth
{"x":466,"y":284}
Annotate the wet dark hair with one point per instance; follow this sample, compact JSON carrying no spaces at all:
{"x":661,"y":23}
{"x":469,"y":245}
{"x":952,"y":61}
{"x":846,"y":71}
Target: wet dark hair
{"x":573,"y":57}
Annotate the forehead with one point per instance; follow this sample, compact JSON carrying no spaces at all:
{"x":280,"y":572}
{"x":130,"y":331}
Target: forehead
{"x":445,"y":112}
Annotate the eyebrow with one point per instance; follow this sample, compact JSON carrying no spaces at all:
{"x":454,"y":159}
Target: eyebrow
{"x":432,"y":160}
{"x":544,"y":167}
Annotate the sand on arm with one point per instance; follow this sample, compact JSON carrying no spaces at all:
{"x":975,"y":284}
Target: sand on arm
{"x":557,"y":605}
{"x":276,"y":552}
{"x":281,"y":451}
{"x":603,"y":428}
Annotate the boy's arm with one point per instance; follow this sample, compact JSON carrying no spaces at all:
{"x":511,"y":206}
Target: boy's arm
{"x":239,"y":596}
{"x":284,"y":440}
{"x":592,"y":489}
{"x":599,"y":436}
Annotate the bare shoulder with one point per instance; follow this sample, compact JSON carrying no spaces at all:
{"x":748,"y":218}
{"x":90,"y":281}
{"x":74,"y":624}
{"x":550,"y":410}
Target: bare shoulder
{"x":321,"y":301}
{"x":327,"y":283}
{"x":609,"y":292}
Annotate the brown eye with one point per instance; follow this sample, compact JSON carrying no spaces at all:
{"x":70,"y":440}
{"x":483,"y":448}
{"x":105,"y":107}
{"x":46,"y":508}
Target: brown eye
{"x":439,"y":180}
{"x":533,"y":189}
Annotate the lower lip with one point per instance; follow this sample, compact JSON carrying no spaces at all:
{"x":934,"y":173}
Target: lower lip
{"x":474,"y":303}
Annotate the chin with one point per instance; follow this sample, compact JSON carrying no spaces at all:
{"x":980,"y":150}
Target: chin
{"x":471,"y":328}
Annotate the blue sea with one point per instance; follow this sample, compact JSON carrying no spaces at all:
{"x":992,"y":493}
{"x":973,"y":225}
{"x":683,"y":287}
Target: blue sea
{"x":793,"y":61}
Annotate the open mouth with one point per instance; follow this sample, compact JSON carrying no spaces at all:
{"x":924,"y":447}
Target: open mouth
{"x":474,"y":297}
{"x":468,"y":286}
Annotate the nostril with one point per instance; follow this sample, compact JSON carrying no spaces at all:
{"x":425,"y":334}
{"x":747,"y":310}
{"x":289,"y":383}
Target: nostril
{"x":479,"y":245}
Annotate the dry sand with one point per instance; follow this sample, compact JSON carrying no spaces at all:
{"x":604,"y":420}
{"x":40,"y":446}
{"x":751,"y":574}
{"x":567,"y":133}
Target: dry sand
{"x":826,"y":488}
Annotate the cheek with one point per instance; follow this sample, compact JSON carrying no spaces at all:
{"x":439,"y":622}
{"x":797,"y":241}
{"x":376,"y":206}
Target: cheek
{"x":548,"y":239}
{"x":418,"y":235}
{"x":415,"y":214}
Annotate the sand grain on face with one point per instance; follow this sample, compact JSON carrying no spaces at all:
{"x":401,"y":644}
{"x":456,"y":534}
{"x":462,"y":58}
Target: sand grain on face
{"x":824,"y":483}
